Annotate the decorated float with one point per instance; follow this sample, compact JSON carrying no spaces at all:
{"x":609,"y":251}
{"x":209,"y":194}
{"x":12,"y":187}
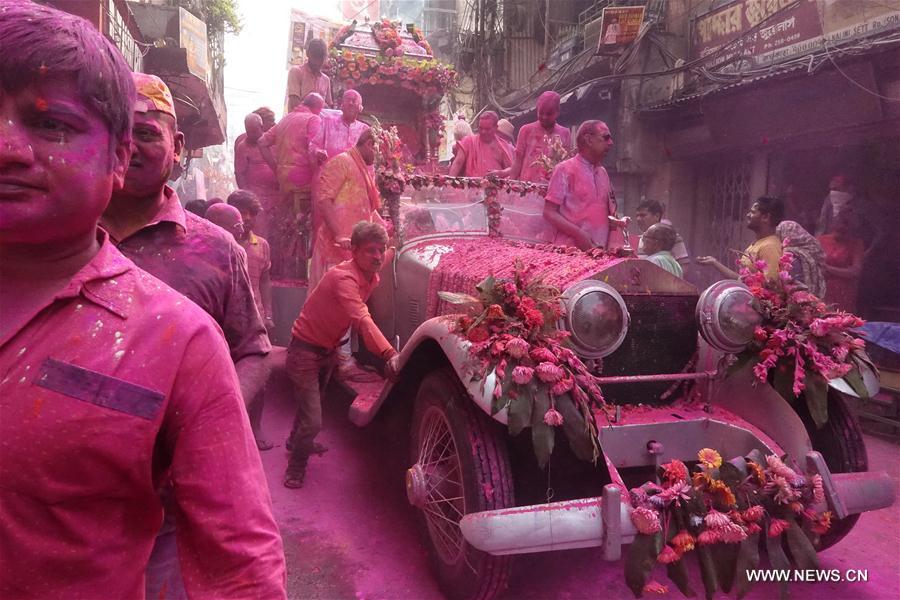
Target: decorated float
{"x":401,"y":83}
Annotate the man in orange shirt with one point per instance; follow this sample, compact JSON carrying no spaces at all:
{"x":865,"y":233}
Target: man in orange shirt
{"x":336,"y":304}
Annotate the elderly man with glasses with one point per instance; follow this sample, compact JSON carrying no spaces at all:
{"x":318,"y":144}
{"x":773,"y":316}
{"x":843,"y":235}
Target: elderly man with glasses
{"x":580,"y":197}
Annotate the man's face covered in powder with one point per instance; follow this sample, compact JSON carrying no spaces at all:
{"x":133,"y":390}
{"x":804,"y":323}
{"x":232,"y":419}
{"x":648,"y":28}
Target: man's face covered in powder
{"x":58,"y":167}
{"x":548,"y":113}
{"x":157,"y":146}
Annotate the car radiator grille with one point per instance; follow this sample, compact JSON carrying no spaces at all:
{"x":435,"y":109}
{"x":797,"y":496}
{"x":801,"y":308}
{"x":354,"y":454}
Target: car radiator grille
{"x":662,"y":338}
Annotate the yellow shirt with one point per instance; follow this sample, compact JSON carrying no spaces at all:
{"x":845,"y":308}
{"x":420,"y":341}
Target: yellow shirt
{"x":767,"y":249}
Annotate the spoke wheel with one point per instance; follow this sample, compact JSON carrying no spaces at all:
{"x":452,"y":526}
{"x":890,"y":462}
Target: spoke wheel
{"x":459,"y":465}
{"x":842,"y":446}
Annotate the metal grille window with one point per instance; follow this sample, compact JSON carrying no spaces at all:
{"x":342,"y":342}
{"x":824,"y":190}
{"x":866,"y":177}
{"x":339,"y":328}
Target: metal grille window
{"x":725,"y":199}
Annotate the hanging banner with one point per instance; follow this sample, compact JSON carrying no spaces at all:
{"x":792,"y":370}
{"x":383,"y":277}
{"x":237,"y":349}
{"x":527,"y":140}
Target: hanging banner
{"x":619,"y":26}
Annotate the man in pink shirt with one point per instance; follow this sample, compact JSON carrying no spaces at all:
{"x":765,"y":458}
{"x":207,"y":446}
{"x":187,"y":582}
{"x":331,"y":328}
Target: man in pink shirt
{"x":535,"y":139}
{"x":308,"y":78}
{"x":482,"y":153}
{"x":580,"y":198}
{"x":286,"y":149}
{"x":253,"y":173}
{"x":113,"y":382}
{"x":336,"y":304}
{"x":339,"y":130}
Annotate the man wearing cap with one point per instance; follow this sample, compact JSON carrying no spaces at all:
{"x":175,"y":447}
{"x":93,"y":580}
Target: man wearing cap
{"x":535,"y":140}
{"x":113,"y":382}
{"x":147,"y":223}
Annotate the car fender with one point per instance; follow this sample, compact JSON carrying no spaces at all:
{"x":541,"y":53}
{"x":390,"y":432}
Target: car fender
{"x":759,"y":404}
{"x":455,"y":349}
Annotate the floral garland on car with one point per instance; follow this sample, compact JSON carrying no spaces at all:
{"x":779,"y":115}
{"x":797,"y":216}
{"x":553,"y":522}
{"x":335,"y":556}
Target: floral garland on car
{"x":387,"y":37}
{"x":801,"y":343}
{"x":720,"y":513}
{"x":512,"y":328}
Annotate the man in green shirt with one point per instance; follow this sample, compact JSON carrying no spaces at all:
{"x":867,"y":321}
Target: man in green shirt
{"x":658,"y":241}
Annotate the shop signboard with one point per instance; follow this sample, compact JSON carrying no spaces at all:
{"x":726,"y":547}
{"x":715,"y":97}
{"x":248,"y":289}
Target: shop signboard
{"x":762,"y":32}
{"x":619,"y":26}
{"x":192,"y":32}
{"x":305,"y":27}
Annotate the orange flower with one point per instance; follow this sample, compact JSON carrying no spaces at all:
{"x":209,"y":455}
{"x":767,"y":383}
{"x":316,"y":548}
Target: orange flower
{"x":722,"y":493}
{"x":757,"y":472}
{"x":702,"y":479}
{"x":822,"y":523}
{"x":777,"y":527}
{"x":683,"y":541}
{"x":675,"y":471}
{"x":710,"y":458}
{"x":668,"y":555}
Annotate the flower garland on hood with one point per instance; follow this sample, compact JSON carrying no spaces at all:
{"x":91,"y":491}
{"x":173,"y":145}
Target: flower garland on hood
{"x":512,"y":328}
{"x":801,"y":343}
{"x":720,"y":514}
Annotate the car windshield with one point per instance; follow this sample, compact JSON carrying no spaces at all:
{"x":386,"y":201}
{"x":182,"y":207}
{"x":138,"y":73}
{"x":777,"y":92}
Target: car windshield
{"x":441,"y":211}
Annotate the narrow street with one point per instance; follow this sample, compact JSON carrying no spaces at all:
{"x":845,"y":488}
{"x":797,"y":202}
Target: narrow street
{"x":350,"y":532}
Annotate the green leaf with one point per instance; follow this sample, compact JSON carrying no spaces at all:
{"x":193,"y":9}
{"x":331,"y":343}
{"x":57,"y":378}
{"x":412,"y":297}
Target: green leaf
{"x":748,"y":559}
{"x":783,"y":379}
{"x":577,"y":431}
{"x":456,"y":298}
{"x":707,"y":571}
{"x":801,"y":548}
{"x":519,"y":415}
{"x":855,"y":381}
{"x":725,"y":559}
{"x":677,"y":572}
{"x":817,"y":398}
{"x":641,"y":559}
{"x":777,"y":558}
{"x":743,"y":359}
{"x":542,"y":435}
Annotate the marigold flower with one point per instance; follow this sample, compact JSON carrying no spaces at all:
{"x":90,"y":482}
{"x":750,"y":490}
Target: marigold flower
{"x":553,"y":417}
{"x":777,"y":527}
{"x":655,"y":587}
{"x":522,"y":375}
{"x":645,"y":520}
{"x":818,"y":489}
{"x":753,"y":528}
{"x":757,"y":472}
{"x":710,"y":458}
{"x":822,"y":524}
{"x":479,"y":334}
{"x":668,"y":555}
{"x":716,"y":520}
{"x":683,"y":541}
{"x":549,"y":372}
{"x":517,"y":347}
{"x":722,"y":493}
{"x":702,"y":479}
{"x":709,"y":536}
{"x":754,"y":514}
{"x":777,"y":466}
{"x":540,"y":354}
{"x":674,"y":471}
{"x":785,"y":493}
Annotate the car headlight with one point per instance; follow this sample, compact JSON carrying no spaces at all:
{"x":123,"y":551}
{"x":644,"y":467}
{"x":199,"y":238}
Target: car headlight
{"x":596,"y":317}
{"x":728,"y":314}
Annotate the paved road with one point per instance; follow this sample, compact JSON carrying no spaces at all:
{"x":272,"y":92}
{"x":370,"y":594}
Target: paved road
{"x":351,"y":534}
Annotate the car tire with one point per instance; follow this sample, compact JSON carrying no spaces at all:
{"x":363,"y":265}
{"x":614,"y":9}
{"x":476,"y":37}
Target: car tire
{"x":842,"y":446}
{"x":450,"y":436}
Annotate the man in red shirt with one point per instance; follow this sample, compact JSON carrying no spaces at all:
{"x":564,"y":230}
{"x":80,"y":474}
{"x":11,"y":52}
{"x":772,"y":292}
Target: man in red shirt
{"x":112,"y":381}
{"x":481,"y":153}
{"x":336,"y":304}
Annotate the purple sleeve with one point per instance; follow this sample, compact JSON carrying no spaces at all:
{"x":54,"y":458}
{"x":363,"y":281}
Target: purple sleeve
{"x":243,"y":327}
{"x":228,"y":541}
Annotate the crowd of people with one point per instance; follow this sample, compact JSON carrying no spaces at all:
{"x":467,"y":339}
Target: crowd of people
{"x":134,"y":338}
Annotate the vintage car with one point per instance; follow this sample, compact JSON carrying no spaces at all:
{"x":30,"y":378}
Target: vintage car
{"x":656,"y":345}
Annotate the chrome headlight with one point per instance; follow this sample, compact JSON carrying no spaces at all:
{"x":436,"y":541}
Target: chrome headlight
{"x":728,"y":314}
{"x":596,"y":317}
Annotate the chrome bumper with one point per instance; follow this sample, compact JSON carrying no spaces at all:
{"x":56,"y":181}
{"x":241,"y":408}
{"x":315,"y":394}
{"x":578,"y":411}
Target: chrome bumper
{"x":605,"y":521}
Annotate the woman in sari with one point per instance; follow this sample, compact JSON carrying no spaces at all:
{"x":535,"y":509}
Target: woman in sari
{"x":809,"y":258}
{"x":844,"y":252}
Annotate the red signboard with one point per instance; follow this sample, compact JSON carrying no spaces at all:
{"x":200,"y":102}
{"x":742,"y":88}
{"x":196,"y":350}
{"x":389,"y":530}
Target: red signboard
{"x":757,"y":30}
